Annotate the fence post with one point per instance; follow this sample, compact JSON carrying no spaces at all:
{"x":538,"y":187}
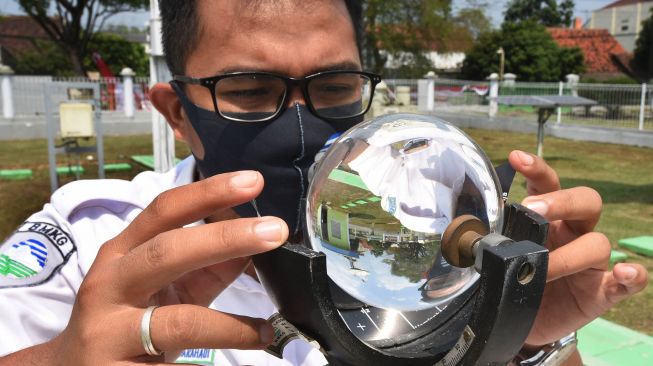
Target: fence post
{"x":494,"y":94}
{"x":426,"y":92}
{"x":642,"y":104}
{"x":572,"y":83}
{"x":561,"y":90}
{"x":128,"y":91}
{"x":6,"y":76}
{"x":509,"y":80}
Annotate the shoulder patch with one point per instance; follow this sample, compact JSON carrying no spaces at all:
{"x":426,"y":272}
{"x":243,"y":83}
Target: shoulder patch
{"x":33,"y":253}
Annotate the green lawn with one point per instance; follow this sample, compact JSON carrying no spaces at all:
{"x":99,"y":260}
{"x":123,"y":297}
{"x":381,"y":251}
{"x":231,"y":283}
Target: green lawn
{"x":623,"y":176}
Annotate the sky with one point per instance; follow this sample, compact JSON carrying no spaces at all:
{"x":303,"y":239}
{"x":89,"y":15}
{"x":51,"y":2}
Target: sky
{"x":495,"y":11}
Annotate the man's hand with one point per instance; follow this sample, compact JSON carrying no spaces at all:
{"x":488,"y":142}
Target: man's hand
{"x":579,"y":286}
{"x":155,"y":261}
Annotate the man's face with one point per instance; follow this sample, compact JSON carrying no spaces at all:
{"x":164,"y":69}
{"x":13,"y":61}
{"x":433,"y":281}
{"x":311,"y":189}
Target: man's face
{"x":291,"y":38}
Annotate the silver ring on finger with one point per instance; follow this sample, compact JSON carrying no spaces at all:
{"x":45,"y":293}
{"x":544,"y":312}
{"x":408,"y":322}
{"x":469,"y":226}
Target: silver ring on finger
{"x":146,"y":337}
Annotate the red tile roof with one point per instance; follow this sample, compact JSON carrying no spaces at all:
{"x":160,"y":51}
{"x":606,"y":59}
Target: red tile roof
{"x":598,"y":46}
{"x":624,"y":3}
{"x":17,"y":33}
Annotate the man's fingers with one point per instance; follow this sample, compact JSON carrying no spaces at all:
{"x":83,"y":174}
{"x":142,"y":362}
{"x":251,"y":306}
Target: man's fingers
{"x":624,"y":280}
{"x":187,"y":204}
{"x":540,"y":177}
{"x":177,"y":327}
{"x":151,"y":266}
{"x":203,"y":286}
{"x":579,"y":207}
{"x":591,"y":250}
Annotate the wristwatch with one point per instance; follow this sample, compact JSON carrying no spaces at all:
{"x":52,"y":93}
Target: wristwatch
{"x":553,"y":354}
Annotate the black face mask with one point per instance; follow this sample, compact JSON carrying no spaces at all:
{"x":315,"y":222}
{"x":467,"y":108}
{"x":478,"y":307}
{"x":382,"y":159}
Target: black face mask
{"x":282,"y":150}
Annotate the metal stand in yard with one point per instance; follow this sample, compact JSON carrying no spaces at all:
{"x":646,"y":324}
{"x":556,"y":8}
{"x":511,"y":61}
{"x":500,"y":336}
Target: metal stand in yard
{"x":545,"y":105}
{"x":78,"y":108}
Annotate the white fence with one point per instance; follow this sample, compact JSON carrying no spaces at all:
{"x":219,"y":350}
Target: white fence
{"x":623,"y":106}
{"x":620,"y":106}
{"x":28,"y":97}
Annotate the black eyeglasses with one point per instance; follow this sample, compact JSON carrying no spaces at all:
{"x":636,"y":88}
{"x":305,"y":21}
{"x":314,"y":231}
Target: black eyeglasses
{"x":261,"y":96}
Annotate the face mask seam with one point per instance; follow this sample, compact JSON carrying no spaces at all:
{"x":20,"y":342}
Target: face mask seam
{"x":299,"y":170}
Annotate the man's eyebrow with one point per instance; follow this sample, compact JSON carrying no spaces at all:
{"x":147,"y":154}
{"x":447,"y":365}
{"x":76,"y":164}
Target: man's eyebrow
{"x":345,"y":65}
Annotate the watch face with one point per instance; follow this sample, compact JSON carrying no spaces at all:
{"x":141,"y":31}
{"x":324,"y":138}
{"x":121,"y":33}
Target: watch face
{"x":378,"y":204}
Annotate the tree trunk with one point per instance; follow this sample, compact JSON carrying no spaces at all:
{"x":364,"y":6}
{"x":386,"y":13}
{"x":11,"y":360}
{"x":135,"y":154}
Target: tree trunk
{"x":76,"y":60}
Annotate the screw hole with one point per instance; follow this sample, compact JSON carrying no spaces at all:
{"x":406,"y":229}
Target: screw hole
{"x":526,"y":273}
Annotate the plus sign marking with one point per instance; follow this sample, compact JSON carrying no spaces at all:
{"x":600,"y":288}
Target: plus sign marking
{"x":361,"y":326}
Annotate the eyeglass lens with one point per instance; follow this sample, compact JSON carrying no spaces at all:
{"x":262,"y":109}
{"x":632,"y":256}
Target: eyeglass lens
{"x":258,"y":97}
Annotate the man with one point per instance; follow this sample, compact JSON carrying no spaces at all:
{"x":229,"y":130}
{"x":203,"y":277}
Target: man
{"x":133,"y":250}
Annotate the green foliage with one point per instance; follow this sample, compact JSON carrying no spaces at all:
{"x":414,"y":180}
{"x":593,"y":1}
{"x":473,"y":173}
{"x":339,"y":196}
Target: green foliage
{"x":115,"y":50}
{"x":473,"y":20}
{"x":643,"y":54}
{"x":47,"y":60}
{"x":118,"y":53}
{"x":530,"y":53}
{"x":404,"y":30}
{"x":546,"y":12}
{"x":71,"y":24}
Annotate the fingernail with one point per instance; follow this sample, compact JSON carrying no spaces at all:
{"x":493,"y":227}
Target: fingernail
{"x":540,"y":207}
{"x":526,"y":158}
{"x":245,"y":179}
{"x":266,"y":333}
{"x":269,"y":230}
{"x":629,"y":273}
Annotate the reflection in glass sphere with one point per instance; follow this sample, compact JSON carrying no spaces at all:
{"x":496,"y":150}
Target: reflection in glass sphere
{"x":382,"y":196}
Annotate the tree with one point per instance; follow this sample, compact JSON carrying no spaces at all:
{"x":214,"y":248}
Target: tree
{"x":404,"y":30}
{"x":75,"y":22}
{"x":545,"y":12}
{"x":115,"y":50}
{"x":473,"y":20}
{"x":643,"y":54}
{"x":530,"y":53}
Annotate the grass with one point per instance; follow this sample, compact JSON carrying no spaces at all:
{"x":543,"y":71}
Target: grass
{"x":623,"y":175}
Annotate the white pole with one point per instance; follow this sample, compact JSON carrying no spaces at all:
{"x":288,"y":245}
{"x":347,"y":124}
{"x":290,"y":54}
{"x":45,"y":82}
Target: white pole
{"x":128,"y":91}
{"x":642,"y":104}
{"x":560,"y":93}
{"x":6,"y":76}
{"x":430,"y":91}
{"x":494,"y":94}
{"x":162,"y":136}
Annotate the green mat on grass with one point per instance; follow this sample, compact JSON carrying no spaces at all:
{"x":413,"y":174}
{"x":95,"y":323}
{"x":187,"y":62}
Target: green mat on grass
{"x":603,"y":343}
{"x":15,"y":174}
{"x":70,"y":169}
{"x":641,"y":245}
{"x":147,"y":160}
{"x":617,"y":256}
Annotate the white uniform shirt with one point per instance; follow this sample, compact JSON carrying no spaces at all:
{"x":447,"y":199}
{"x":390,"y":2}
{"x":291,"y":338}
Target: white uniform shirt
{"x":43,"y":263}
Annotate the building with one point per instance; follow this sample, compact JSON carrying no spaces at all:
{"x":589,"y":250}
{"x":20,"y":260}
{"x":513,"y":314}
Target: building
{"x":604,"y":56}
{"x":622,"y":19}
{"x":19,"y":34}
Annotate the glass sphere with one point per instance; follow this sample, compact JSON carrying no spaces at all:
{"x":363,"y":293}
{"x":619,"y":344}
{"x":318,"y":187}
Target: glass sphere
{"x":382,"y":196}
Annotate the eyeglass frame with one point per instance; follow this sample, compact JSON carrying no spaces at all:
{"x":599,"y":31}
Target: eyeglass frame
{"x":211,"y":82}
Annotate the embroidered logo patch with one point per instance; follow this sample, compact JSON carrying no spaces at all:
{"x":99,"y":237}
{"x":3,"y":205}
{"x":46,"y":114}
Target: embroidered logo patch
{"x":33,"y":253}
{"x":197,"y":356}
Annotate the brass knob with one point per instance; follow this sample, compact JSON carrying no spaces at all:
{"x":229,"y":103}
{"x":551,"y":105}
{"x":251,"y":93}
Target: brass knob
{"x":459,"y":238}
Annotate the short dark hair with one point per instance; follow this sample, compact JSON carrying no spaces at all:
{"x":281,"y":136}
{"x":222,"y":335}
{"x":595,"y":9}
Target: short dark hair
{"x":179,"y":29}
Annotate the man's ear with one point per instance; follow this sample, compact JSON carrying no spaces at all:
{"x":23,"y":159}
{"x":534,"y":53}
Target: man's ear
{"x":165,"y":100}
